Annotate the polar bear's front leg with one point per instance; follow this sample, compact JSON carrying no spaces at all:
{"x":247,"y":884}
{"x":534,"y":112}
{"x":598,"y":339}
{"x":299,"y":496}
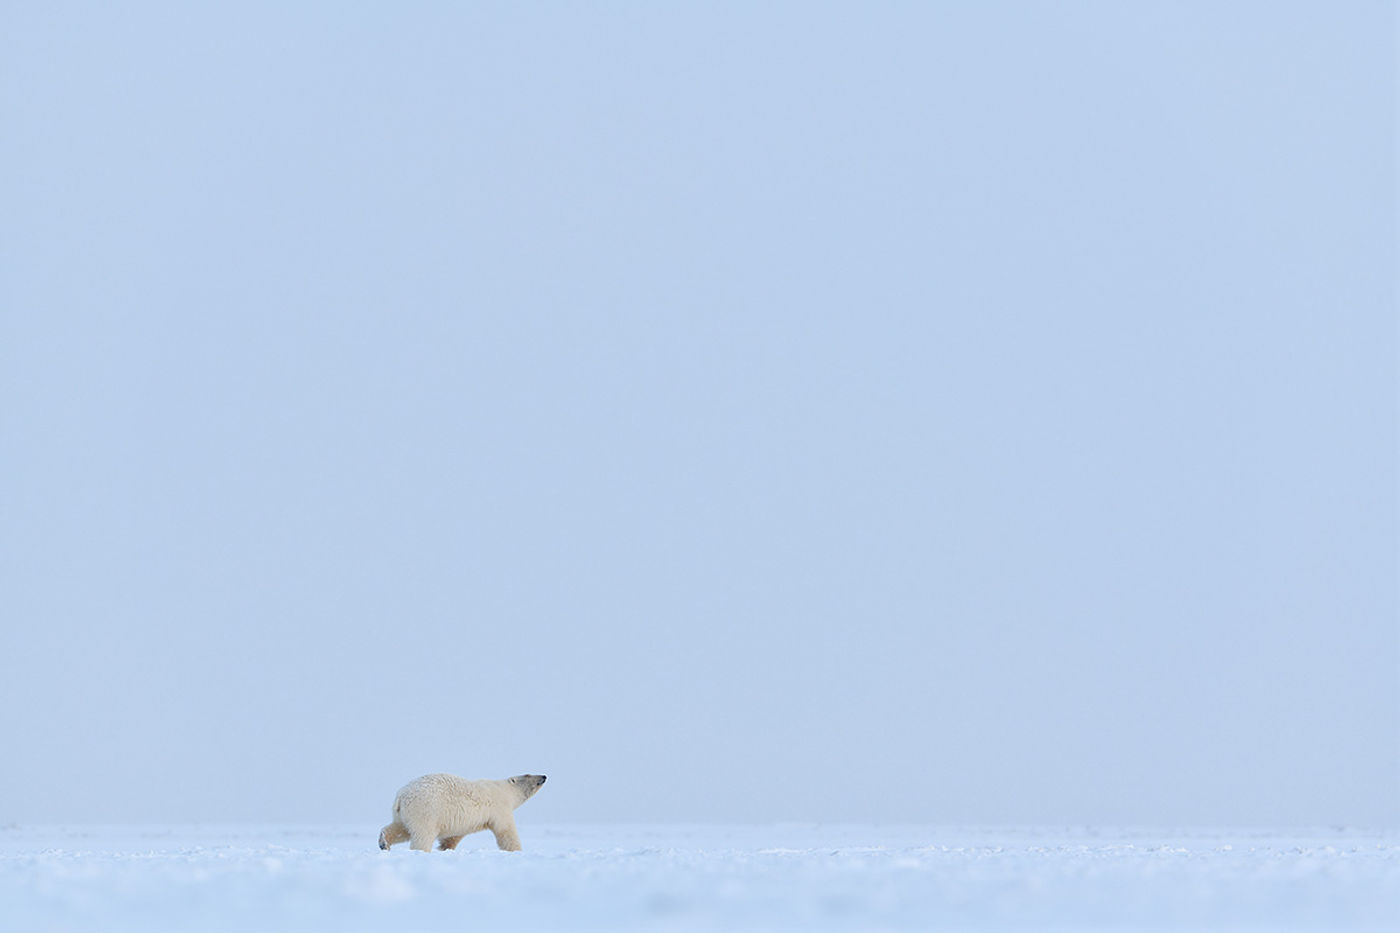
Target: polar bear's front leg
{"x":423,"y":842}
{"x":506,"y":836}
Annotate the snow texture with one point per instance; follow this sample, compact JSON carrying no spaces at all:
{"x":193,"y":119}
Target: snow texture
{"x":698,"y":878}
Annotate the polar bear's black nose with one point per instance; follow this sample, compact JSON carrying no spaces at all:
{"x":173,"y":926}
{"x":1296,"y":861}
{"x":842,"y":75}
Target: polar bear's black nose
{"x":543,"y":778}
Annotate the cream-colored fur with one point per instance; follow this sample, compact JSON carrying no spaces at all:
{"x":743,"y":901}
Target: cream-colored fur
{"x":445,"y":808}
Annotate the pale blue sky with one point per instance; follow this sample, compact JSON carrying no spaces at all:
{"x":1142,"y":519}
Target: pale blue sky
{"x":947,"y":412}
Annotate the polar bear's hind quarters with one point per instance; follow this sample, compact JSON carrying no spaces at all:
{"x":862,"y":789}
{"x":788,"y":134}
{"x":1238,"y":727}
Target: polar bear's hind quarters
{"x":443,"y":808}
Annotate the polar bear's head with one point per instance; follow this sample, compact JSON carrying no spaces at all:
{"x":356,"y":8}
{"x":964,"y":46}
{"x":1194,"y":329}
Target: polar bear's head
{"x":525,"y":785}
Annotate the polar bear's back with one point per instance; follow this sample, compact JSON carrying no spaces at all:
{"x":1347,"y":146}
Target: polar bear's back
{"x":436,"y":787}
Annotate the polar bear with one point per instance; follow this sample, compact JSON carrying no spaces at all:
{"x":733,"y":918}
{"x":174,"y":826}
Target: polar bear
{"x":446,"y":808}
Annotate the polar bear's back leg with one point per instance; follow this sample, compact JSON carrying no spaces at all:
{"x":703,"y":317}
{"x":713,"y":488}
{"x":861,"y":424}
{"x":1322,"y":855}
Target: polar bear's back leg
{"x":394,"y":832}
{"x":449,"y":842}
{"x":422,"y":830}
{"x":416,"y":821}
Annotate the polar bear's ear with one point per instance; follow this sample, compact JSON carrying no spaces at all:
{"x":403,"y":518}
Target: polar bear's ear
{"x":515,"y":780}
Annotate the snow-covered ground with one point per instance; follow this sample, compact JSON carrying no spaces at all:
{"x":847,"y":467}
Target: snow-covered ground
{"x":696,"y":877}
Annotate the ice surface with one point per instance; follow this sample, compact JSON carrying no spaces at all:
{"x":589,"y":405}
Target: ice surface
{"x":697,"y":877}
